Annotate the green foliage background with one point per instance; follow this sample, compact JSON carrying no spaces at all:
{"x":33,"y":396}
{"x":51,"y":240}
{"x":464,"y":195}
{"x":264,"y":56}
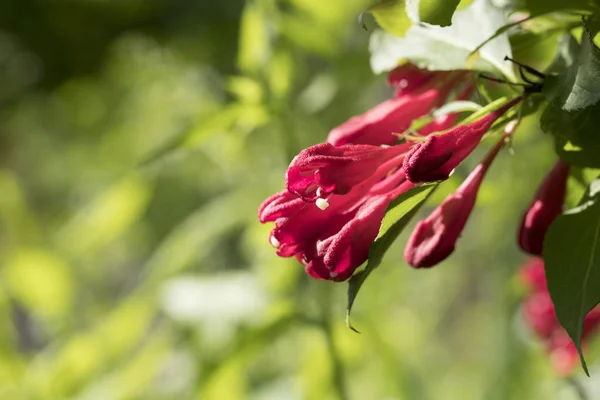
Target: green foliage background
{"x":137,"y":139}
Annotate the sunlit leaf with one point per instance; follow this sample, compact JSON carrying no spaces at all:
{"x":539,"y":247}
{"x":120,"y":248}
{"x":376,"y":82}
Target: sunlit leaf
{"x":572,"y":262}
{"x":448,"y":48}
{"x":391,"y":15}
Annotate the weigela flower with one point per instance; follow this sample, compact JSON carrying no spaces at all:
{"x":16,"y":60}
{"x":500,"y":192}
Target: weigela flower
{"x":418,"y":92}
{"x":540,"y":317}
{"x":434,"y":238}
{"x":337,"y":192}
{"x":323,"y":169}
{"x":434,"y":159}
{"x":547,"y":204}
{"x":332,"y":241}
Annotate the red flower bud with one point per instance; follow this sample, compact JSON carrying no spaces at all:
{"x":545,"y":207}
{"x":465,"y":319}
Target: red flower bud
{"x":434,"y":159}
{"x":433,"y":239}
{"x":547,"y":204}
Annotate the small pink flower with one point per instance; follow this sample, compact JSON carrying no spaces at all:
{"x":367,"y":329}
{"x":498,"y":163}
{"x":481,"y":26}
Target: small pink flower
{"x":434,"y":159}
{"x":434,"y":238}
{"x":547,"y":204}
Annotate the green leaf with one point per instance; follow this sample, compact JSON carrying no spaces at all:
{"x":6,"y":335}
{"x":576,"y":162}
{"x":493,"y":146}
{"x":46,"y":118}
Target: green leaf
{"x":398,"y":214}
{"x":576,"y":135}
{"x":572,"y":263}
{"x":539,"y":7}
{"x":578,"y":86}
{"x":437,"y":12}
{"x":391,"y":15}
{"x":448,"y":48}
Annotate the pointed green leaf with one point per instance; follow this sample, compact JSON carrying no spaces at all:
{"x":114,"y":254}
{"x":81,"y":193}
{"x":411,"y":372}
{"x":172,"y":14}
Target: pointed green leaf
{"x":576,"y":135}
{"x":398,"y":214}
{"x":437,"y":12}
{"x":572,"y":262}
{"x":578,"y":86}
{"x":391,"y":15}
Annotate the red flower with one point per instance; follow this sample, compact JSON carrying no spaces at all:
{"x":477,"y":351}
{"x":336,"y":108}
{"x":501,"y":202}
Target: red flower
{"x":539,"y":315}
{"x":547,"y":204}
{"x":322,"y":169}
{"x":434,"y":159}
{"x":418,"y":93}
{"x":334,"y":241}
{"x":434,"y":238}
{"x":337,"y":192}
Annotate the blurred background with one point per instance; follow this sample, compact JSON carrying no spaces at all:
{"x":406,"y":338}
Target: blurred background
{"x":137,"y":140}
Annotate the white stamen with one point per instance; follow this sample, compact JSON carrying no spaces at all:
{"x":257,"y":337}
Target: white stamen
{"x":403,"y":83}
{"x":384,"y":146}
{"x":451,"y":172}
{"x":319,"y":192}
{"x":274,"y":242}
{"x":322,"y":204}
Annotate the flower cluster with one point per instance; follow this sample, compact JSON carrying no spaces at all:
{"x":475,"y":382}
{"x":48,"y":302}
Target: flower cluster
{"x":538,"y":312}
{"x":337,"y":192}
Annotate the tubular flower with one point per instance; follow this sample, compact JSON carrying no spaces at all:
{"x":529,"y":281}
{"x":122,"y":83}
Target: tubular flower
{"x":322,"y":169}
{"x":418,"y":92}
{"x":434,"y":238}
{"x":547,"y":204}
{"x":337,"y":192}
{"x":434,"y":159}
{"x":332,"y":241}
{"x":539,"y":315}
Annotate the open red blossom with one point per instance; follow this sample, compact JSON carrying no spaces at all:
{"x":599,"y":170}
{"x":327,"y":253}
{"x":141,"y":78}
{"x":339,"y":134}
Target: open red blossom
{"x":332,"y":242}
{"x":539,"y":314}
{"x":434,"y":238}
{"x":434,"y":159}
{"x":418,"y":92}
{"x":547,"y":204}
{"x":323,"y":169}
{"x":336,"y":257}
